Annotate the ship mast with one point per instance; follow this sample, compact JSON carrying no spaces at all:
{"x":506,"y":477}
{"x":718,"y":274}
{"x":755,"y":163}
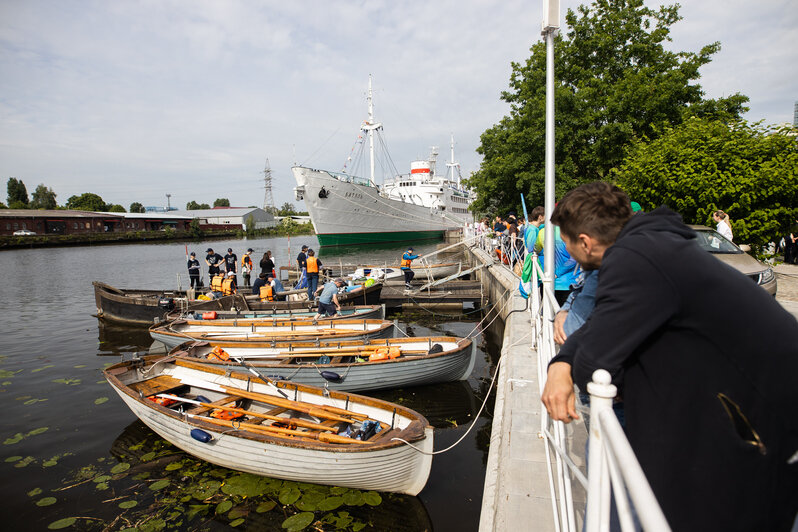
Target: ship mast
{"x":454,"y":165}
{"x":369,"y":127}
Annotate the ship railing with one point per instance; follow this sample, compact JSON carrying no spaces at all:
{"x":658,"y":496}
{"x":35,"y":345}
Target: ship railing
{"x":346,"y":178}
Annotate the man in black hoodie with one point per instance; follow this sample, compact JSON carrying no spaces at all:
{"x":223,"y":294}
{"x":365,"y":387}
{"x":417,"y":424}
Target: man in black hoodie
{"x":705,"y":360}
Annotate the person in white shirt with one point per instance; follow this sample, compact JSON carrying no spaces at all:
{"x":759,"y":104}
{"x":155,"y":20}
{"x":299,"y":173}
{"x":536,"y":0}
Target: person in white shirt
{"x":724,"y":227}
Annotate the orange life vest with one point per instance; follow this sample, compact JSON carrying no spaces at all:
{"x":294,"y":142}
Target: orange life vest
{"x":246,"y":262}
{"x":225,"y":414}
{"x":385,"y":353}
{"x":218,"y":354}
{"x":266,"y":293}
{"x":216,"y":283}
{"x":312,"y":265}
{"x":163,"y":401}
{"x":228,"y":287}
{"x":406,"y":262}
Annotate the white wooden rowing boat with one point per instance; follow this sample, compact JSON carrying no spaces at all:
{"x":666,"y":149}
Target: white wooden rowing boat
{"x":422,"y":360}
{"x":175,"y":333}
{"x":379,"y":463}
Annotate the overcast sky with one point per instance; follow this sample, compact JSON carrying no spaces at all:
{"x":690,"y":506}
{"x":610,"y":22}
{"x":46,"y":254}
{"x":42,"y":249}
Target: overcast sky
{"x":136,"y":100}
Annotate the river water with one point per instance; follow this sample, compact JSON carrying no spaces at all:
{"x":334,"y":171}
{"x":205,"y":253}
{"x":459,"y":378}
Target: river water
{"x":68,"y":439}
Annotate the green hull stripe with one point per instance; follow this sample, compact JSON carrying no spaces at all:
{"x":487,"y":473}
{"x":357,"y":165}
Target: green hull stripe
{"x":348,"y":239}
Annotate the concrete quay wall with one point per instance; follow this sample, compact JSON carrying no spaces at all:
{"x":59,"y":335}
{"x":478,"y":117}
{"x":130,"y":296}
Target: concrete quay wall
{"x":516,"y":495}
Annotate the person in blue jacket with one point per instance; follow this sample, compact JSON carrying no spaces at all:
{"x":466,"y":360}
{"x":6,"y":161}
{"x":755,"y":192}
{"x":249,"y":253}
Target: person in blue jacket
{"x":566,"y":269}
{"x":407,"y":260}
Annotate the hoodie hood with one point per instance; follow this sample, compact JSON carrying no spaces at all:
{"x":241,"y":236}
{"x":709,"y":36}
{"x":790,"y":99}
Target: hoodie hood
{"x":661,"y":219}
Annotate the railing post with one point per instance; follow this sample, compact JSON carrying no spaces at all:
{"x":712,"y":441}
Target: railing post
{"x":602,"y":392}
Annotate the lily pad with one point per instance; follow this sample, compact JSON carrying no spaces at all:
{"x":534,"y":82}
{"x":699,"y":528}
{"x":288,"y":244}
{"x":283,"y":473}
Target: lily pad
{"x":159,"y":484}
{"x":338,"y":490}
{"x":237,"y":522}
{"x":101,"y":486}
{"x":13,"y":459}
{"x":224,"y":507}
{"x":147,"y":457}
{"x":25,"y":461}
{"x":16,"y":438}
{"x":354,"y":498}
{"x":40,"y":369}
{"x":62,"y":523}
{"x":34,"y":492}
{"x":5,"y":374}
{"x":79,"y":366}
{"x":298,"y":522}
{"x":127,"y":504}
{"x":100,"y":400}
{"x":243,"y":484}
{"x":120,"y":468}
{"x":71,"y":382}
{"x":372,"y":498}
{"x":46,"y":501}
{"x":173,"y":466}
{"x":238,"y":511}
{"x":40,"y":430}
{"x":331,"y":503}
{"x":289,"y":494}
{"x":194,"y":509}
{"x":206,"y":489}
{"x":266,"y":506}
{"x":102,"y":478}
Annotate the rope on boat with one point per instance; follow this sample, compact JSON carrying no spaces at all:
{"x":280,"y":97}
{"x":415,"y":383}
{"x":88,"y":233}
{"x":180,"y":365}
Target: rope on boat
{"x":487,"y":394}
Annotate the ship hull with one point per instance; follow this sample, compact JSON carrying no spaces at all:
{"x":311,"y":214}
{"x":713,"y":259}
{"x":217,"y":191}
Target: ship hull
{"x":346,"y":210}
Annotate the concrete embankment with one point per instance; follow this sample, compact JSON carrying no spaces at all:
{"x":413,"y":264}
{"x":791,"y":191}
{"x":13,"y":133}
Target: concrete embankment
{"x":516,"y":494}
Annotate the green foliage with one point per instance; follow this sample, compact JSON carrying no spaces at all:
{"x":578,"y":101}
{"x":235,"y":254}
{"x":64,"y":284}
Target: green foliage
{"x":87,"y":201}
{"x":136,"y":207}
{"x":250,"y":224}
{"x":194,"y":206}
{"x":194,"y":228}
{"x":288,"y":225}
{"x":17,"y":194}
{"x":3,"y":205}
{"x":748,"y":171}
{"x":615,"y":82}
{"x":221,"y":202}
{"x":287,"y":209}
{"x":43,"y":198}
{"x":115,"y":208}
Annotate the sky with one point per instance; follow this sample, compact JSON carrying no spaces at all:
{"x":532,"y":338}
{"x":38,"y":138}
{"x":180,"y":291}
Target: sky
{"x":134,"y":100}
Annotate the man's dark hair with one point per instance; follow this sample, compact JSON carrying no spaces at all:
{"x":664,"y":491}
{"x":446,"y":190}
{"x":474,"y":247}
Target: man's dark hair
{"x":536,"y":213}
{"x":262,"y":276}
{"x":597,"y":209}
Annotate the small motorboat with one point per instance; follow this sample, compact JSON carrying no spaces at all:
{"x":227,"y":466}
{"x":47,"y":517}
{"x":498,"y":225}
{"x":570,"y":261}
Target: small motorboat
{"x":278,"y":429}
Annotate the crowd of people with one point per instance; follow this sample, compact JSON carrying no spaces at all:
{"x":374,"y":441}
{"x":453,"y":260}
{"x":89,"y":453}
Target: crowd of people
{"x":704,"y":360}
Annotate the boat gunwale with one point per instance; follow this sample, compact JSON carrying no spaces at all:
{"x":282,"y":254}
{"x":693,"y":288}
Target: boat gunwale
{"x":414,"y":432}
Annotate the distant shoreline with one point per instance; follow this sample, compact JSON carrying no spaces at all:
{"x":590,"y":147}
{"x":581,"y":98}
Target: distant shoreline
{"x":92,"y":239}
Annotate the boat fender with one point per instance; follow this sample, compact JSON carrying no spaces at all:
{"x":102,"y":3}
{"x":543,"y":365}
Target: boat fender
{"x":436,"y":348}
{"x":331,"y":376}
{"x":166,"y":303}
{"x":203,"y":399}
{"x":201,"y":436}
{"x":323,"y":193}
{"x":323,"y":359}
{"x":209,"y":315}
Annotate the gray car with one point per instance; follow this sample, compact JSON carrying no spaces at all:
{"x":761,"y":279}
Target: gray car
{"x":731,"y":254}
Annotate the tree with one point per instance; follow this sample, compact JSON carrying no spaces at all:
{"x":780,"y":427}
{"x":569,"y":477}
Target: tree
{"x":17,"y":194}
{"x":221,"y":202}
{"x":115,"y":208}
{"x":136,"y":207}
{"x":87,"y":201}
{"x":287,"y":209}
{"x":250,"y":224}
{"x":43,"y":198}
{"x":615,"y":82}
{"x":194,"y":206}
{"x":699,"y":166}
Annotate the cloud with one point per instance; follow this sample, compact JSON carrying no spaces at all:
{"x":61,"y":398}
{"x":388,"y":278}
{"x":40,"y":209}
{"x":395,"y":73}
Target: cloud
{"x":134,"y":100}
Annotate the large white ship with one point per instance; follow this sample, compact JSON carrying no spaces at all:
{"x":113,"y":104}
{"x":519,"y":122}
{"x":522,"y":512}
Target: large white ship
{"x":346,"y":209}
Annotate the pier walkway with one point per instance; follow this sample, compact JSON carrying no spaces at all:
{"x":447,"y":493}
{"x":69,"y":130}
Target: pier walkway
{"x":517,"y":493}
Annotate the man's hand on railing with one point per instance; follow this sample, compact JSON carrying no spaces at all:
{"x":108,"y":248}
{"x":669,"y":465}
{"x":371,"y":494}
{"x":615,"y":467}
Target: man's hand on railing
{"x":559,"y":331}
{"x":558,"y":394}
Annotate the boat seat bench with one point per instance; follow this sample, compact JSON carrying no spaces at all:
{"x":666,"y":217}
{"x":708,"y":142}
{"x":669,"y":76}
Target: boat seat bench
{"x":219,"y":402}
{"x":156,"y":385}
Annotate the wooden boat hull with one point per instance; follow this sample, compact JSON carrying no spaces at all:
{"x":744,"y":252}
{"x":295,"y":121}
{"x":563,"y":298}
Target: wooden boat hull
{"x":229,"y":317}
{"x":386,"y":465}
{"x":142,"y":308}
{"x":175,"y":333}
{"x":394,"y":273}
{"x":454,"y":363}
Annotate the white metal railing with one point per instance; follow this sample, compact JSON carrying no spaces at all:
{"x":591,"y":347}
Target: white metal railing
{"x":613,"y":467}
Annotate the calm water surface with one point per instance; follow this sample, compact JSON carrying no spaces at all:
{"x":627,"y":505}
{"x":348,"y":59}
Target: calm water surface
{"x":65,"y":431}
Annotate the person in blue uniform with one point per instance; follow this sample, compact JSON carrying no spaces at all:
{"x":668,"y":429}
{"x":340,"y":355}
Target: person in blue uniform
{"x":407,"y":260}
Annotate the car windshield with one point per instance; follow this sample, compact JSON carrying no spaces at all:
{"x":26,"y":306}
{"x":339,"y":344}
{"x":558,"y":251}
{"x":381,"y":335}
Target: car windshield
{"x":715,"y":243}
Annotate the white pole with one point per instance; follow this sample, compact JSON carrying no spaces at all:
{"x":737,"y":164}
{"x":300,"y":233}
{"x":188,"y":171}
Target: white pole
{"x":548,"y":242}
{"x":371,"y":131}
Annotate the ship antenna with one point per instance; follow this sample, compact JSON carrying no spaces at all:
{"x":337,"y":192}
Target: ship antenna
{"x":455,"y":166}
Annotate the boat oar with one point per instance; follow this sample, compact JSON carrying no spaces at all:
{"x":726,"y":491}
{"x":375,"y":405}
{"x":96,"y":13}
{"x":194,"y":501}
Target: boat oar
{"x":266,"y":380}
{"x":290,"y":421}
{"x":320,"y":411}
{"x":326,"y":438}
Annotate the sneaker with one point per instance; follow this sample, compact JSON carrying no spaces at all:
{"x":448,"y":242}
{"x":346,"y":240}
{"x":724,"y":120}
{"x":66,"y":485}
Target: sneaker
{"x":408,"y":285}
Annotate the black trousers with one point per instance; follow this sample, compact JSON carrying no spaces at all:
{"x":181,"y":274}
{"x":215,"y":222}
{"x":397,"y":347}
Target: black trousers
{"x":194,"y":280}
{"x":409,"y":274}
